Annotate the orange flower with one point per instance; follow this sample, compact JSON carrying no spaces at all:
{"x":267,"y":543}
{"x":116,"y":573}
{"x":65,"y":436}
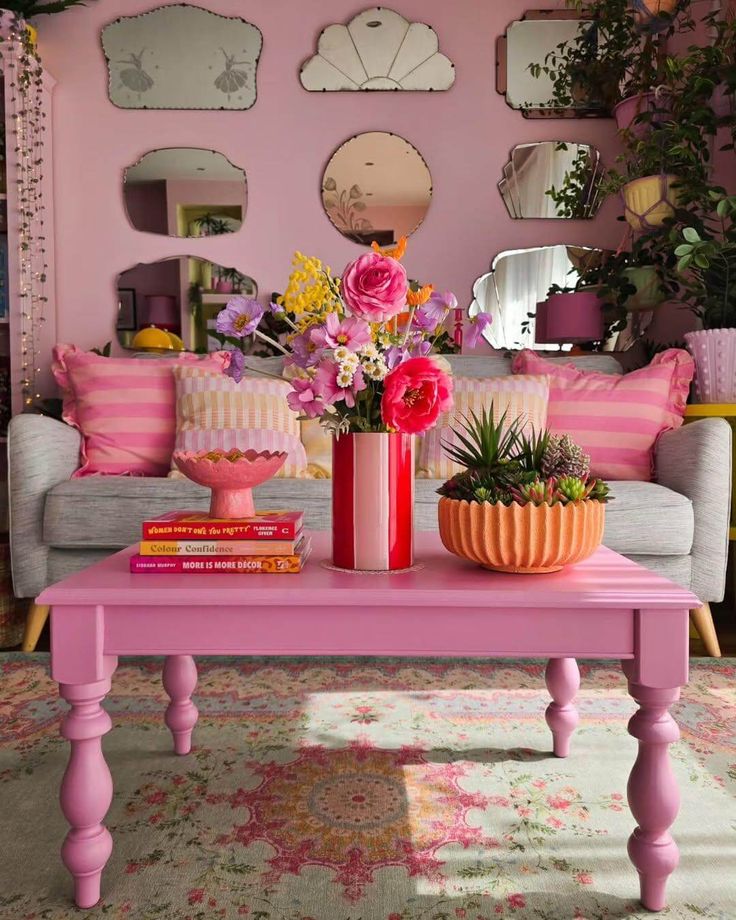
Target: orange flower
{"x":396,"y":253}
{"x":417,"y":298}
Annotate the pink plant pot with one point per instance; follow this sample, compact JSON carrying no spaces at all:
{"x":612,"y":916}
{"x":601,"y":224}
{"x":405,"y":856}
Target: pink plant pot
{"x":574,"y":317}
{"x":627,"y":110}
{"x":231,"y":476}
{"x":714,"y":353}
{"x":224,"y":287}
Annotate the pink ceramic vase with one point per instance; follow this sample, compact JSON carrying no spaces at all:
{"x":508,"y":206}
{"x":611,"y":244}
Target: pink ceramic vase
{"x":231,"y":476}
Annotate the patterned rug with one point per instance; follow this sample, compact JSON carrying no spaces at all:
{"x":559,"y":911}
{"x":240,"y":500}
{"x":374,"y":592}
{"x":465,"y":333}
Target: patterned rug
{"x":366,"y":790}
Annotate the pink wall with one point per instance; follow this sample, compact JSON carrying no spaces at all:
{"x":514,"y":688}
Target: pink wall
{"x":283,"y":144}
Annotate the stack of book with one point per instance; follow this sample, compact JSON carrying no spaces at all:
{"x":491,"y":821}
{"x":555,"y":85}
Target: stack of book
{"x":271,"y":542}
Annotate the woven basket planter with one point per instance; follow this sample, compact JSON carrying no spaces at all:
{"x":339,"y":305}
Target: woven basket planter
{"x":649,"y":201}
{"x":521,"y":538}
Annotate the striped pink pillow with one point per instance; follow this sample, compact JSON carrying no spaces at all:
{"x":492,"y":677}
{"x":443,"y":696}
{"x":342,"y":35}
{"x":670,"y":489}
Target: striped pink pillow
{"x":615,"y":418}
{"x":125,"y":408}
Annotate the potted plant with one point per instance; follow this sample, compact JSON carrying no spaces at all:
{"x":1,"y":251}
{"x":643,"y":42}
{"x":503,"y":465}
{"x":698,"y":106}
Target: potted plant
{"x":707,"y":265}
{"x":522,"y":503}
{"x":210,"y":225}
{"x":14,"y":16}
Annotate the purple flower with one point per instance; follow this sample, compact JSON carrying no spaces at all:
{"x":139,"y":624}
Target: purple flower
{"x":395,"y":355}
{"x":429,"y":316}
{"x":304,"y":351}
{"x":275,"y":308}
{"x":351,"y":332}
{"x":474,"y":330}
{"x":236,"y":367}
{"x":332,"y":390}
{"x":304,"y":398}
{"x":420,"y":348}
{"x":240,"y":317}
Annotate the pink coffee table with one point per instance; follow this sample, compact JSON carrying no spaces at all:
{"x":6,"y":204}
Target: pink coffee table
{"x":607,"y":607}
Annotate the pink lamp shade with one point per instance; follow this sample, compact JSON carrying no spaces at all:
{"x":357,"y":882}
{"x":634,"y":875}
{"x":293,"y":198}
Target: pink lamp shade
{"x":575,"y":317}
{"x":540,"y":325}
{"x":163,"y":311}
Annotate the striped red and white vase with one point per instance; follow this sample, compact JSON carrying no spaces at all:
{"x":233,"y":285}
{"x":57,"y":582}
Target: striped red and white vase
{"x":373,"y":501}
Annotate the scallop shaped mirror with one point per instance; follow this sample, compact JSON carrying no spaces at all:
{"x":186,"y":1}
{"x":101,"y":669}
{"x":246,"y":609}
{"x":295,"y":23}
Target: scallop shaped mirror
{"x":376,"y":187}
{"x":180,"y":297}
{"x":579,"y":89}
{"x":186,"y":192}
{"x":551,"y":179}
{"x":519,"y":279}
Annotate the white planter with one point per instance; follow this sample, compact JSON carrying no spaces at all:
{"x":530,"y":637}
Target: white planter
{"x":714,"y":352}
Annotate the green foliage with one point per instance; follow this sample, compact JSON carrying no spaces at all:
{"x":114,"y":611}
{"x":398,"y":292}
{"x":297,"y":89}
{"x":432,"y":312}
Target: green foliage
{"x":214,"y":226}
{"x":27,"y":8}
{"x":503,"y":465}
{"x":103,"y":352}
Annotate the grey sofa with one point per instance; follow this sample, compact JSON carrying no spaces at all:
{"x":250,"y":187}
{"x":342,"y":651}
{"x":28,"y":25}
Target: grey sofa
{"x":677,"y":526}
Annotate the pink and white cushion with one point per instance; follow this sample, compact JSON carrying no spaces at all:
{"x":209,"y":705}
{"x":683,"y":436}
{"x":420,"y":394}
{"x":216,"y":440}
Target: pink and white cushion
{"x":616,"y":418}
{"x":125,"y":408}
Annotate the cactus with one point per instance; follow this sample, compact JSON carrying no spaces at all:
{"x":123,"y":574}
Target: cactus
{"x":563,"y":457}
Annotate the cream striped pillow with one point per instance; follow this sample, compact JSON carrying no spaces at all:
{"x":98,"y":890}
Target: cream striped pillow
{"x":522,"y":396}
{"x":213,"y":411}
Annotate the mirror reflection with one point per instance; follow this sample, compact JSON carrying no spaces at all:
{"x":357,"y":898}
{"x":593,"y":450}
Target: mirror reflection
{"x":376,"y":187}
{"x":526,"y":43}
{"x":185,"y":192}
{"x":178,"y":297}
{"x":520,"y":279}
{"x":551,"y":179}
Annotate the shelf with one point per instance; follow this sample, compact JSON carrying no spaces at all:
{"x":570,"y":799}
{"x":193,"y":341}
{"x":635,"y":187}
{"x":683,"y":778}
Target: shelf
{"x":711,"y":410}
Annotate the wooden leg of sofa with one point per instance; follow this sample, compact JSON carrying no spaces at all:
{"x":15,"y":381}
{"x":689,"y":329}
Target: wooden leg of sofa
{"x":702,"y":619}
{"x":35,"y":622}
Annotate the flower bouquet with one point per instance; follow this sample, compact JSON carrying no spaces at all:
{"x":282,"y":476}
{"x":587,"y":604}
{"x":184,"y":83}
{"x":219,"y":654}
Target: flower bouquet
{"x":359,"y":355}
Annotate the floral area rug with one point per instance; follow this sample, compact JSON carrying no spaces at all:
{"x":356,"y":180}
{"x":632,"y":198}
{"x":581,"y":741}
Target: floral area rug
{"x":366,"y":790}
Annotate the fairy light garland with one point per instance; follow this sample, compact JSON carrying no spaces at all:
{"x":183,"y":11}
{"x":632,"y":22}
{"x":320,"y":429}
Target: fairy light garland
{"x":24,"y":73}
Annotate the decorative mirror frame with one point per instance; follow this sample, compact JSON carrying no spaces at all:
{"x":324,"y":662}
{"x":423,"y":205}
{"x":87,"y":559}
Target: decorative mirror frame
{"x":341,"y":58}
{"x":508,"y":186}
{"x":325,"y":177}
{"x":200,"y":149}
{"x":502,"y":73}
{"x":136,"y":73}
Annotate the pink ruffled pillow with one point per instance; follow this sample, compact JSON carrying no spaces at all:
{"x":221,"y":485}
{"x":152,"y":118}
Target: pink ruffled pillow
{"x":125,"y":408}
{"x":615,"y":418}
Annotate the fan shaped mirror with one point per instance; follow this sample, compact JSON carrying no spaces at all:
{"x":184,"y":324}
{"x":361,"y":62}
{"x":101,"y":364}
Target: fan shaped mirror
{"x":521,"y":53}
{"x":519,"y":279}
{"x":185,"y":191}
{"x":180,"y":296}
{"x":182,"y":57}
{"x":376,"y":187}
{"x":551,"y":179}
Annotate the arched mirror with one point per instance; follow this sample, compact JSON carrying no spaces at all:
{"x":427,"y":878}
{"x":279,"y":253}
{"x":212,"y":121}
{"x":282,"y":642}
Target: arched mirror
{"x":186,"y":192}
{"x":551,"y":179}
{"x":519,"y":279}
{"x":181,"y":296}
{"x":376,"y":187}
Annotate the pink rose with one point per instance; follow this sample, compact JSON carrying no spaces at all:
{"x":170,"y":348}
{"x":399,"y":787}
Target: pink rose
{"x":375,"y":287}
{"x":414,"y":394}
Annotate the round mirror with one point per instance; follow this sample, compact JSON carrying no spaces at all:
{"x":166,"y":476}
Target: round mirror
{"x":177,"y":297}
{"x":185,"y":191}
{"x":376,"y":187}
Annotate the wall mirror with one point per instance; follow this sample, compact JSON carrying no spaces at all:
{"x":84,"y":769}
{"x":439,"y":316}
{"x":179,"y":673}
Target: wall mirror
{"x":182,"y":57}
{"x":185,"y":191}
{"x":518,"y":280}
{"x":182,"y":295}
{"x":526,"y":42}
{"x":551,"y":179}
{"x":377,"y":50}
{"x":376,"y":187}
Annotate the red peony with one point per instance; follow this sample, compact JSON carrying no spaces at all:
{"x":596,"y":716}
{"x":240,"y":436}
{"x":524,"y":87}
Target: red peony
{"x":414,"y":394}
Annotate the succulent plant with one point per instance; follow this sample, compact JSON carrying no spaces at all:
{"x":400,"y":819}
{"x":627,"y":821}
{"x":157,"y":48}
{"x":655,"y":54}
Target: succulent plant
{"x":573,"y":488}
{"x":563,"y":457}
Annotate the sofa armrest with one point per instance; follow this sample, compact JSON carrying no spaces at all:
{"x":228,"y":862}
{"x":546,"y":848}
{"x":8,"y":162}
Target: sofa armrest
{"x":42,"y":452}
{"x":695,"y":461}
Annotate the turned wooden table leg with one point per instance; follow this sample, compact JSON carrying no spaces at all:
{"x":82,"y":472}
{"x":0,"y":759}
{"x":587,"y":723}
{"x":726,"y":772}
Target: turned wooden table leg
{"x":86,"y":789}
{"x":653,"y":794}
{"x":563,"y":682}
{"x":180,"y":680}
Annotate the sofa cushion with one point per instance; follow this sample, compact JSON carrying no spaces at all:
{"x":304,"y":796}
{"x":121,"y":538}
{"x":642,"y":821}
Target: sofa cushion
{"x":643,"y":519}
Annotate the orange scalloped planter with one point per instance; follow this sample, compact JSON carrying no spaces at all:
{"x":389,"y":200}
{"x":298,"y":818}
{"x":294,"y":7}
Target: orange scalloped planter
{"x":521,"y":538}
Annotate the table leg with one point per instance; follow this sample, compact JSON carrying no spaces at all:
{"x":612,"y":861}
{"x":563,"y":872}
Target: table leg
{"x":563,"y":682}
{"x":86,"y":789}
{"x":653,"y":794}
{"x":180,"y":680}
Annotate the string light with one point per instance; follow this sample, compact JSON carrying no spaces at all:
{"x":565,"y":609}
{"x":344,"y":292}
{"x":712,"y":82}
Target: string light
{"x":27,"y":116}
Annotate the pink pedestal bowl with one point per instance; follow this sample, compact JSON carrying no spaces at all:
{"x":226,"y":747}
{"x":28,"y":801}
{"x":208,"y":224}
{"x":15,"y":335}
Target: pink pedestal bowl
{"x":231,"y":475}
